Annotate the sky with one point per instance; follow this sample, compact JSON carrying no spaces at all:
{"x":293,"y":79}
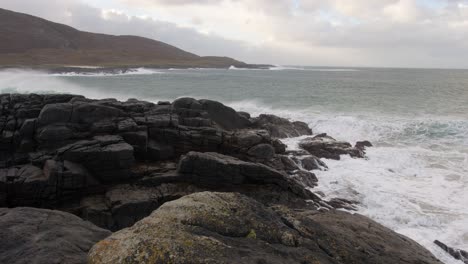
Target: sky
{"x":352,"y":33}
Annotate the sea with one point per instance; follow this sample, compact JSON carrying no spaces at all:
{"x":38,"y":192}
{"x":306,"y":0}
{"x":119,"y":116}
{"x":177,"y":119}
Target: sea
{"x":415,"y":179}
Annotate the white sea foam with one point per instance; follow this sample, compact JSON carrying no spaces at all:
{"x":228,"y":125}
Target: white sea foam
{"x":415,"y":180}
{"x":22,"y":81}
{"x":133,"y":71}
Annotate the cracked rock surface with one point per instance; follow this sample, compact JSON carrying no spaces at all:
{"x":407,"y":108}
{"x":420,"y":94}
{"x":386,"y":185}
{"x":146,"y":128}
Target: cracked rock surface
{"x":211,"y":227}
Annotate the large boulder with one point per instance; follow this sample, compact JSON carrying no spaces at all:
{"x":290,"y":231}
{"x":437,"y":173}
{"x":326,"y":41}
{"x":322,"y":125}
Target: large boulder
{"x":224,"y":116}
{"x":212,"y":227}
{"x":281,"y":127}
{"x":198,"y":113}
{"x":42,"y":236}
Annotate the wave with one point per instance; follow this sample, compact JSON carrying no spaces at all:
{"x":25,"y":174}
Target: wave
{"x":415,"y":180}
{"x":25,"y":81}
{"x":133,"y":71}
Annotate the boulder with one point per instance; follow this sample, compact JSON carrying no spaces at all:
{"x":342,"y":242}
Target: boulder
{"x":262,"y":151}
{"x":224,"y":116}
{"x":324,"y":146}
{"x":89,"y":113}
{"x":362,"y":145}
{"x":55,"y":113}
{"x":456,"y":253}
{"x":43,"y":236}
{"x":209,"y":227}
{"x":312,"y":163}
{"x":281,"y":127}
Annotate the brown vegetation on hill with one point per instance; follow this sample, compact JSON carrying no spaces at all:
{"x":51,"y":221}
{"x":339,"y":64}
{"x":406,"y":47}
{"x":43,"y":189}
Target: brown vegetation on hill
{"x":27,"y":40}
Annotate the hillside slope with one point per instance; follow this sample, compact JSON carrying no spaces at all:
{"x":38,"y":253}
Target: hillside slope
{"x":27,"y":40}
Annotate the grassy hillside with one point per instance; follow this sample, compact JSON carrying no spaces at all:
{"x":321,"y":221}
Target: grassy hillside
{"x":32,"y":41}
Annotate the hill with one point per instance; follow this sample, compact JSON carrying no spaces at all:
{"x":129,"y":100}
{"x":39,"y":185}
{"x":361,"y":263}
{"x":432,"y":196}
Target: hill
{"x":31,"y":41}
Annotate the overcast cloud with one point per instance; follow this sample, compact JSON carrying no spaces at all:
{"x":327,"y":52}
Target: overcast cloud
{"x":389,"y":33}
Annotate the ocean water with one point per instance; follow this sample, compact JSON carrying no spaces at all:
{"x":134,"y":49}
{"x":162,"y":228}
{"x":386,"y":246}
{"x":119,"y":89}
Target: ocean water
{"x":415,"y":180}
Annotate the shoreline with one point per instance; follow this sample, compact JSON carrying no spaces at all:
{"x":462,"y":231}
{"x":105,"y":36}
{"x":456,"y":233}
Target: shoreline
{"x":164,"y":149}
{"x":125,"y":68}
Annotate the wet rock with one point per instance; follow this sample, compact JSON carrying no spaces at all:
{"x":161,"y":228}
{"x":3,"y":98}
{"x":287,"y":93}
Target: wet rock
{"x":262,"y":151}
{"x":39,"y":236}
{"x":109,"y":158}
{"x":306,"y":178}
{"x":312,"y":163}
{"x":362,"y":145}
{"x":324,"y":146}
{"x":340,"y":203}
{"x":212,"y":227}
{"x":456,"y":253}
{"x":280,"y":127}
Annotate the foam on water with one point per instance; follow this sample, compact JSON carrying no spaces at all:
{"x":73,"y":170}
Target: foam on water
{"x":22,"y":81}
{"x":134,"y":71}
{"x":415,"y":180}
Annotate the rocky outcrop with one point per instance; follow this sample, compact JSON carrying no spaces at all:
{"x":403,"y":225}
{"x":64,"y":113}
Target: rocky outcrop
{"x":222,"y":186}
{"x":107,"y":139}
{"x":212,"y":227}
{"x":280,"y":127}
{"x":324,"y":146}
{"x":41,"y":236}
{"x":217,"y":170}
{"x":456,"y":253}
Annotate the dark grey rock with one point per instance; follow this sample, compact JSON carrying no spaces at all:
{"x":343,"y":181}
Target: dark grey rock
{"x":39,"y":236}
{"x":108,"y":158}
{"x":224,"y":116}
{"x":157,"y":151}
{"x":217,"y":170}
{"x":262,"y":151}
{"x":456,"y":253}
{"x":324,"y":146}
{"x":280,"y":127}
{"x":89,"y":113}
{"x":313,"y":163}
{"x":55,"y":113}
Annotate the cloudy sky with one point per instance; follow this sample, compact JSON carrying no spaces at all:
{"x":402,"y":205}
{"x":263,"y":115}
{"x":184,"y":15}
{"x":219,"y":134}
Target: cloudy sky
{"x":384,"y":33}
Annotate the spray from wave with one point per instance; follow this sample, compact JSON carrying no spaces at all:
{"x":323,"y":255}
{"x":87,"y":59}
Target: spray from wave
{"x":23,"y":81}
{"x":415,"y":180}
{"x":103,"y":73}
